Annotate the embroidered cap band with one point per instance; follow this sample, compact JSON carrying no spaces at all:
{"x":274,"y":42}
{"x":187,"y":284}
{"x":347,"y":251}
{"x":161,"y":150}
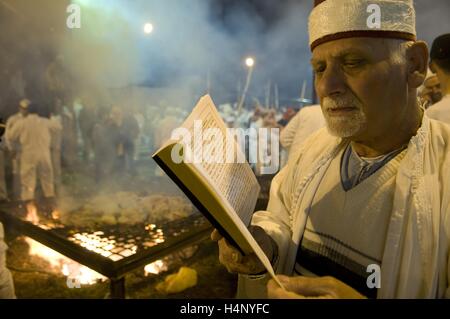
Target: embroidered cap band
{"x":336,"y":19}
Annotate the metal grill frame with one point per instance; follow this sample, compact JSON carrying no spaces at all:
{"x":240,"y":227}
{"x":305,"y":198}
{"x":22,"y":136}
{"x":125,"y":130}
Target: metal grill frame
{"x":115,"y":271}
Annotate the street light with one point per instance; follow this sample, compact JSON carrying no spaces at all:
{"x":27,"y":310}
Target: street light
{"x":148,"y":28}
{"x":250,"y":62}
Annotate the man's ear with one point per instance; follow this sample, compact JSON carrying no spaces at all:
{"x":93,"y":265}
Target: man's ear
{"x":417,"y":58}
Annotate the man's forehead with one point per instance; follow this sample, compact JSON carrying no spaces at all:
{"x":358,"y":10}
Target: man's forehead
{"x":341,"y":47}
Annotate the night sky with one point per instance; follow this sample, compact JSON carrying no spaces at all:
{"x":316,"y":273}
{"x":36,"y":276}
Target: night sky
{"x":192,"y":38}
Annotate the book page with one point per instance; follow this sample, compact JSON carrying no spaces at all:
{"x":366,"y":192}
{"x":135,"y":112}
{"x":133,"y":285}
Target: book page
{"x":233,"y":181}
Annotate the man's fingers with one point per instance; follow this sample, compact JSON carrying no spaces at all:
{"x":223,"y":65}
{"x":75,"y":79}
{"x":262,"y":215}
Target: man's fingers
{"x":275,"y":292}
{"x":311,"y":287}
{"x":235,"y":262}
{"x":307,"y":286}
{"x":229,"y":253}
{"x":215,"y":235}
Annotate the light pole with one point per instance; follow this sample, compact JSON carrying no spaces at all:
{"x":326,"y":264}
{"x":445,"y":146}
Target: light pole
{"x":250,"y":63}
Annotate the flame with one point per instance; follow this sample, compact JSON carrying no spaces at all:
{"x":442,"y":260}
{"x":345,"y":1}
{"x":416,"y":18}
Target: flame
{"x":56,"y":214}
{"x":64,"y":265}
{"x":32,"y":215}
{"x":155,"y":268}
{"x":73,"y":270}
{"x":95,"y":242}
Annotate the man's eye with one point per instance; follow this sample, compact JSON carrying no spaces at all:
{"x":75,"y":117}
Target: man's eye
{"x":319,"y":69}
{"x":353,"y":63}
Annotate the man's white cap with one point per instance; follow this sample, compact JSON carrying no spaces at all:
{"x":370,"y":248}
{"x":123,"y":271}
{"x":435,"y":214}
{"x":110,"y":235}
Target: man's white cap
{"x":337,"y":19}
{"x":25,"y":103}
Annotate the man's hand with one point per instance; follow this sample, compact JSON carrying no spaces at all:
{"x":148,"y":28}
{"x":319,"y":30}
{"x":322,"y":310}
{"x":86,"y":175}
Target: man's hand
{"x":306,"y":287}
{"x":235,"y":262}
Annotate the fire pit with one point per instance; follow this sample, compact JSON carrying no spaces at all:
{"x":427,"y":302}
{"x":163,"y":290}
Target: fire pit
{"x":110,"y":250}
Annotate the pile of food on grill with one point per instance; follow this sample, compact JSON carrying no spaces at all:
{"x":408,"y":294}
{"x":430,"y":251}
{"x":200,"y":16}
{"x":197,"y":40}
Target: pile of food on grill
{"x":125,"y":208}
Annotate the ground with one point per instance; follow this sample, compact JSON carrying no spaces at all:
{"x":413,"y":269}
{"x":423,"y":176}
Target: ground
{"x":34,"y":280}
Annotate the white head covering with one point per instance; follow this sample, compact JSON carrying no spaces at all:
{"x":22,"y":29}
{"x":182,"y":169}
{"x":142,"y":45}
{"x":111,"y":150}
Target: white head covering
{"x":336,"y":19}
{"x":25,"y":103}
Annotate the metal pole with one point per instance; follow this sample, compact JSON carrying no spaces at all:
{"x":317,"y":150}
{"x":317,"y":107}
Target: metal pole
{"x":268,"y":89}
{"x":244,"y":93}
{"x":277,"y":99}
{"x":117,"y":288}
{"x":208,"y":82}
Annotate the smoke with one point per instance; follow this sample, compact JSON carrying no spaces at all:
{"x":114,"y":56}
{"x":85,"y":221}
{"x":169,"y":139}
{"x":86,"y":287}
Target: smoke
{"x":190,"y":49}
{"x":29,"y":31}
{"x":195,"y":44}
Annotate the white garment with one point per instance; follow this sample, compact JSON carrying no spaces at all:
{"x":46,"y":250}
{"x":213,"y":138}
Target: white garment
{"x":6,"y":281}
{"x":34,"y":135}
{"x":12,"y":120}
{"x":55,"y":148}
{"x":15,"y":148}
{"x":345,"y":250}
{"x":306,"y":122}
{"x":3,"y":191}
{"x":415,"y":261}
{"x":441,"y":110}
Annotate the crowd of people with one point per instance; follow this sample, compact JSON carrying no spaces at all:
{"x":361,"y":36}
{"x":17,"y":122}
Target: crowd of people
{"x":40,"y":142}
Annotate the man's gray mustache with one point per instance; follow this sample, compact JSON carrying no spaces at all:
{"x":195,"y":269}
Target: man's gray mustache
{"x":339,"y":104}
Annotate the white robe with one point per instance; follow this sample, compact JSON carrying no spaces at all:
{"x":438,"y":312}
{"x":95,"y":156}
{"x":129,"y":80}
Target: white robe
{"x":3,"y":190}
{"x":307,"y":121}
{"x":15,"y":147}
{"x":419,"y":228}
{"x":34,"y":135}
{"x":441,"y":110}
{"x":6,"y":282}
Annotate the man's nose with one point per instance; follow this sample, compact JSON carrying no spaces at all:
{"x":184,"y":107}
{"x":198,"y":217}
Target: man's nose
{"x":331,"y":82}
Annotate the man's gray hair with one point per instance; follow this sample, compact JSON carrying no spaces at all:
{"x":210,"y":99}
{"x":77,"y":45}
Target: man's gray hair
{"x":398,"y":48}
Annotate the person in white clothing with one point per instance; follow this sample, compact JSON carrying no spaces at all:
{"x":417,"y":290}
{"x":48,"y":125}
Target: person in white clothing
{"x":306,"y":122}
{"x":3,"y":190}
{"x":33,"y":133}
{"x":363,"y":210}
{"x":14,"y":148}
{"x":440,"y":64}
{"x":6,"y":280}
{"x":55,"y":149}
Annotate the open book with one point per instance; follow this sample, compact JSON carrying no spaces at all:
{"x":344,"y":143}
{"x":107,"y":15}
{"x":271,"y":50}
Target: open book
{"x":205,"y":160}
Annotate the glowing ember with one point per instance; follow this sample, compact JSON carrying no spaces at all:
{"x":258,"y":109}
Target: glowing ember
{"x":104,"y":246}
{"x":56,"y":214}
{"x":32,"y":215}
{"x":96,"y":242}
{"x":69,"y":268}
{"x":155,"y":268}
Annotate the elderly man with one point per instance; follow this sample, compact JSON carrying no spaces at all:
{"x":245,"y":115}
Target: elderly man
{"x":363,"y":210}
{"x":440,"y":64}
